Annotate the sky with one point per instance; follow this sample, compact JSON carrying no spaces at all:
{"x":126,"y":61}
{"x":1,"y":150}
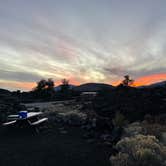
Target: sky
{"x":81,"y":40}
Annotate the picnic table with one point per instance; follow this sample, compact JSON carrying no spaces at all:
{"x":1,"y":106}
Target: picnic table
{"x":32,"y":119}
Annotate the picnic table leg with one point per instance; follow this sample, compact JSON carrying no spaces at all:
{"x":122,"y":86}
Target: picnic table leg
{"x":37,"y":130}
{"x":34,"y":128}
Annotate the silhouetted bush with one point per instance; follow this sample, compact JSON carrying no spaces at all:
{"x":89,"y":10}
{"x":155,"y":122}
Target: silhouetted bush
{"x":119,"y":120}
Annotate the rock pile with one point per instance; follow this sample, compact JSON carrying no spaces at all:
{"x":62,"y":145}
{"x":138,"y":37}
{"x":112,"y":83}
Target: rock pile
{"x":9,"y":105}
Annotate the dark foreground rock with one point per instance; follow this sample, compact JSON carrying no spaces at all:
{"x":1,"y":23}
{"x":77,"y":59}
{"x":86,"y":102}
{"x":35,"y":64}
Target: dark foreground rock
{"x":133,"y":103}
{"x":9,"y":104}
{"x":52,"y":147}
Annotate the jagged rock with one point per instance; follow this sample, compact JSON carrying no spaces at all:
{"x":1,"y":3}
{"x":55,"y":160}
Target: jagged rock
{"x":163,"y":137}
{"x":63,"y":132}
{"x":90,"y":140}
{"x":116,"y":134}
{"x":107,"y":143}
{"x":9,"y":105}
{"x":133,"y":103}
{"x":106,"y":137}
{"x":90,"y":134}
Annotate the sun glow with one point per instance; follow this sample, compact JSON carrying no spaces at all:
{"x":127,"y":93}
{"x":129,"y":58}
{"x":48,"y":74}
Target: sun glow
{"x":17,"y":85}
{"x":150,"y":79}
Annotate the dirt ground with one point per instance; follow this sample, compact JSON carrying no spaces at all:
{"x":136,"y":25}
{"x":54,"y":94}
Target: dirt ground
{"x":51,"y":148}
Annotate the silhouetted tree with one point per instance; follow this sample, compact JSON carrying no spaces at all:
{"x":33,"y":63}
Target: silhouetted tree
{"x":127,"y":81}
{"x":44,"y":89}
{"x":41,"y":85}
{"x":50,"y":83}
{"x":65,"y":86}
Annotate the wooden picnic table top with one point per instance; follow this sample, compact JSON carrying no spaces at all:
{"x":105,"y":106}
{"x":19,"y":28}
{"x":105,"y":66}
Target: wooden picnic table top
{"x":33,"y":114}
{"x":27,"y":119}
{"x":29,"y":115}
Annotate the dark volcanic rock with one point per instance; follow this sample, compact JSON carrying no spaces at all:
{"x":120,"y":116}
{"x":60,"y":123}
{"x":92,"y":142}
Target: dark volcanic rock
{"x":134,"y":103}
{"x":9,"y":104}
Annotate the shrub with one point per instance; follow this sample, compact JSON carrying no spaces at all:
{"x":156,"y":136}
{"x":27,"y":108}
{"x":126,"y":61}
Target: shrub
{"x":121,"y":159}
{"x":139,"y":150}
{"x":133,"y":129}
{"x":119,"y":120}
{"x":155,"y":129}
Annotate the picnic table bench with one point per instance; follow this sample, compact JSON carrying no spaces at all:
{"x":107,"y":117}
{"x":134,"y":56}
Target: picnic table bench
{"x":31,"y":120}
{"x":39,"y":121}
{"x":9,"y":123}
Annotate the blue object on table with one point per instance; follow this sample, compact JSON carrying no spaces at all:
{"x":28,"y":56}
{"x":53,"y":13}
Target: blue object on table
{"x":23,"y":114}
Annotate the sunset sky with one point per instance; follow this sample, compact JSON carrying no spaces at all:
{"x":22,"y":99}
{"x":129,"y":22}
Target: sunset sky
{"x":81,"y":40}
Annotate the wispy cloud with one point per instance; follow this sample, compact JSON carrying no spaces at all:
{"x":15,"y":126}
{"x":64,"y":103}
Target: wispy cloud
{"x":59,"y":39}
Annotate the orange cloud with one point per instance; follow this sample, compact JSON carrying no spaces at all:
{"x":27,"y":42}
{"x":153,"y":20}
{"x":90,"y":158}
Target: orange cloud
{"x":115,"y":83}
{"x":145,"y":80}
{"x":150,"y":79}
{"x":13,"y":85}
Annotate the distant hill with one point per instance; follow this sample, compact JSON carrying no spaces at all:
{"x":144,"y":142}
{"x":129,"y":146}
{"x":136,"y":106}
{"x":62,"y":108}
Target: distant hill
{"x":91,"y":87}
{"x":4,"y":92}
{"x":155,"y":85}
{"x":158,"y":84}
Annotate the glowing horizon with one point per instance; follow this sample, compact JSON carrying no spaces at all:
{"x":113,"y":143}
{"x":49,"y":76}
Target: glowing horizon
{"x":141,"y":81}
{"x":151,"y":79}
